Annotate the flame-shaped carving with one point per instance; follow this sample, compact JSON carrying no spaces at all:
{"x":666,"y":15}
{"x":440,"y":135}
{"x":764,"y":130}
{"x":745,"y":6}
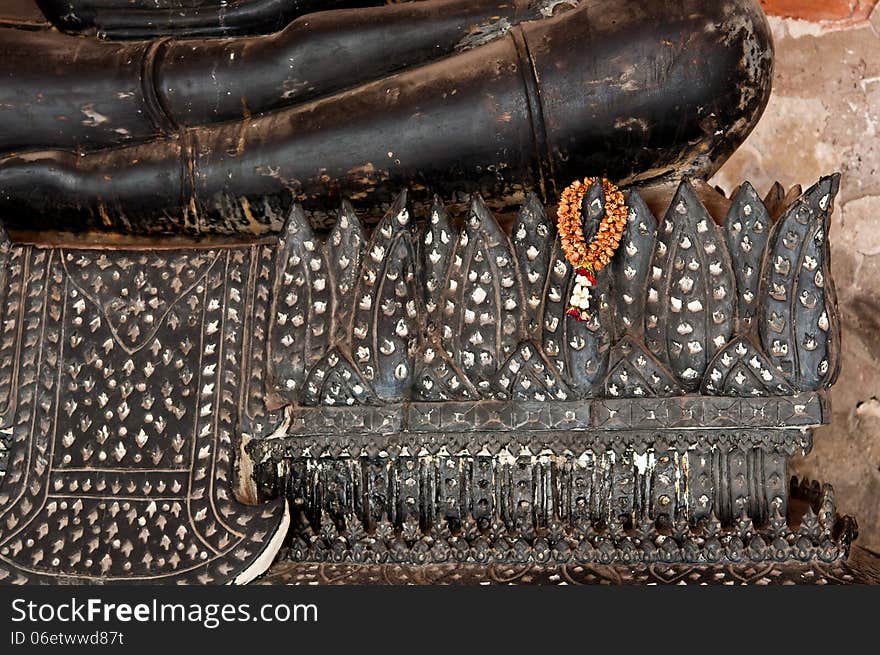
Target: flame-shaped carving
{"x":482,"y":304}
{"x":344,"y":249}
{"x":578,"y":350}
{"x":438,"y":318}
{"x":773,"y":200}
{"x":690,"y":298}
{"x":438,"y":242}
{"x":387,"y":312}
{"x":746,"y":229}
{"x":438,"y":378}
{"x":631,"y":264}
{"x":798,"y":322}
{"x":300,"y":322}
{"x":533,"y":245}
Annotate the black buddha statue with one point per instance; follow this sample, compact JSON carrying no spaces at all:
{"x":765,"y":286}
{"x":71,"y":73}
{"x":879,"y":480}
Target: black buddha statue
{"x":502,"y":97}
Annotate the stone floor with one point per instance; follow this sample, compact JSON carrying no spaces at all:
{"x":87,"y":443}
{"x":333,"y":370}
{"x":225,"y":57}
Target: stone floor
{"x":824,"y":115}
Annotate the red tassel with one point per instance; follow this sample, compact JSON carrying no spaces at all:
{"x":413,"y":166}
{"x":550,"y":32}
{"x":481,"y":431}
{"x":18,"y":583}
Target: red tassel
{"x":578,"y":315}
{"x":587,"y":273}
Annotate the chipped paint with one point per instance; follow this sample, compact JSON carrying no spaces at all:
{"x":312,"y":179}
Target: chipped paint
{"x":483,"y":34}
{"x":93,"y":117}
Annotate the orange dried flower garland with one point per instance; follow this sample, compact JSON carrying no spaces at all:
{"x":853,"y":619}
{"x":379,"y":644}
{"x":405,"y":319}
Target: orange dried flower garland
{"x":589,"y":258}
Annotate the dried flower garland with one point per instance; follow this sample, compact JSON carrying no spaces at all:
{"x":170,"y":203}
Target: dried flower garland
{"x":589,"y":258}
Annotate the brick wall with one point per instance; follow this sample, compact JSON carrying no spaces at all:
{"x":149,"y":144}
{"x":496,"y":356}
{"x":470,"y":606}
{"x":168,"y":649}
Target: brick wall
{"x":820,"y":10}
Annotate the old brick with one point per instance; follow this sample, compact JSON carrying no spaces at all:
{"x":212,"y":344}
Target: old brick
{"x":820,"y":10}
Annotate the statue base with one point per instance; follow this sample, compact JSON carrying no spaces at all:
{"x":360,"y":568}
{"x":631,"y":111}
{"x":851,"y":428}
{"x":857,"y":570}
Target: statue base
{"x":420,"y":399}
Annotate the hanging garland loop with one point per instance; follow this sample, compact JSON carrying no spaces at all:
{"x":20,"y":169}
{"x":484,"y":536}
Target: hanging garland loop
{"x":589,"y":258}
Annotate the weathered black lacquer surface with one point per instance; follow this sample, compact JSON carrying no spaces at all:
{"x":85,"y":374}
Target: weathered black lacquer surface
{"x":207,"y":136}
